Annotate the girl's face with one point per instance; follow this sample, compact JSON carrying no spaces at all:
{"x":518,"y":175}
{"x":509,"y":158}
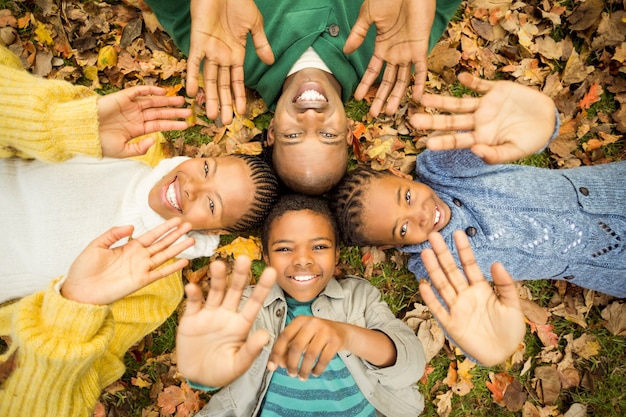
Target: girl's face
{"x":210,"y":193}
{"x":399,"y":212}
{"x":302,"y":247}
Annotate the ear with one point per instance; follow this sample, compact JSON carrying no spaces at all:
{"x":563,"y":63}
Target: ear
{"x":349,"y":136}
{"x":271,"y":133}
{"x":400,"y":174}
{"x":266,"y":258}
{"x":337,"y":255}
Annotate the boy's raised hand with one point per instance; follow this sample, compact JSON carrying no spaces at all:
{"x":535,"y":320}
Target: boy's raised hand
{"x":101,"y":275}
{"x":134,"y":112}
{"x":212,"y":343}
{"x":486,"y":326}
{"x":219,"y":30}
{"x":402,"y":34}
{"x":510,"y":121}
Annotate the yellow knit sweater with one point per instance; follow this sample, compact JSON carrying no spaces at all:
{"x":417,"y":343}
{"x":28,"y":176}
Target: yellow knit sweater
{"x":66,"y":351}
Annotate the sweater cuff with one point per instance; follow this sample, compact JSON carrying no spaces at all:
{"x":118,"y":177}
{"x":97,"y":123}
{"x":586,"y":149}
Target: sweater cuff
{"x":201,"y":387}
{"x":78,"y":135}
{"x":59,"y":315}
{"x":555,"y":132}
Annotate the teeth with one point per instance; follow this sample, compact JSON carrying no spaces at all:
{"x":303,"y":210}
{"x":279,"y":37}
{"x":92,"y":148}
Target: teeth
{"x":437,"y":215}
{"x":311,"y":95}
{"x":171,"y":196}
{"x":302,"y":278}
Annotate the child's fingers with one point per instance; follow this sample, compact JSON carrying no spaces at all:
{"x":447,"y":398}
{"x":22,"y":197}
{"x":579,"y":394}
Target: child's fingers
{"x":260,"y":292}
{"x":506,"y":286}
{"x":433,"y":304}
{"x":112,"y":236}
{"x":238,"y":282}
{"x":447,"y":262}
{"x":440,"y":280}
{"x":154,"y":234}
{"x":451,"y":104}
{"x":194,"y":299}
{"x":451,"y":141}
{"x":218,"y":285}
{"x":250,"y":350}
{"x":167,"y":270}
{"x":466,"y":256}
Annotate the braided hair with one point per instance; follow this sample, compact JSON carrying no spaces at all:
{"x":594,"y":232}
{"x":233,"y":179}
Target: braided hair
{"x":265,"y":195}
{"x":347,"y":202}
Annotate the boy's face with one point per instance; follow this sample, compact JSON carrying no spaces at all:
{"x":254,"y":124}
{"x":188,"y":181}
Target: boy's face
{"x":302,"y":248}
{"x":309,"y":130}
{"x":399,"y":211}
{"x":210,"y":193}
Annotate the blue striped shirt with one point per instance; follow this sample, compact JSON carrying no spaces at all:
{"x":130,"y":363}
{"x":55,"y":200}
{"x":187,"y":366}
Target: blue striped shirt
{"x":334,"y":393}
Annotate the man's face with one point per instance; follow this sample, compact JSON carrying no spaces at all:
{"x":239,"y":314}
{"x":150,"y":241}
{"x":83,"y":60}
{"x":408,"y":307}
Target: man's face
{"x":310,"y":131}
{"x":398,"y":211}
{"x":210,"y":193}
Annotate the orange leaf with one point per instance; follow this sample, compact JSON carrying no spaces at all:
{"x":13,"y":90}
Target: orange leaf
{"x":242,"y":246}
{"x":497,"y":386}
{"x":545,"y":333}
{"x":592,"y":96}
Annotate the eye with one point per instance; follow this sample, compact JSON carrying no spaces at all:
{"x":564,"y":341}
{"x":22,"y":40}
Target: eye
{"x":407,"y":196}
{"x":206,"y":171}
{"x":212,"y":206}
{"x":403,"y":229}
{"x":282,"y":249}
{"x":320,"y":247}
{"x":328,"y":135}
{"x":291,"y":135}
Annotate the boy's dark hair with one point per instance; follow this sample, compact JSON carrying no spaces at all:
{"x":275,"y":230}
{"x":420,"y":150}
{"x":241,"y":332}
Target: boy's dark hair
{"x":298,"y":202}
{"x":347,"y":200}
{"x":265,"y":195}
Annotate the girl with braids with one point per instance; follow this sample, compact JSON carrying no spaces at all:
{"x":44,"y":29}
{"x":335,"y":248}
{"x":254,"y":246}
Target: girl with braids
{"x":564,"y":224}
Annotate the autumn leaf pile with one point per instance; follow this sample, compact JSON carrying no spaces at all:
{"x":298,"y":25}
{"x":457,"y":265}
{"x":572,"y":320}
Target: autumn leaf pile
{"x":573,"y":51}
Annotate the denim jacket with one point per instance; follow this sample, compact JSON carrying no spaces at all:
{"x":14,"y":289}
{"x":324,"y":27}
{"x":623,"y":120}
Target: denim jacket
{"x":391,"y":390}
{"x":567,"y":224}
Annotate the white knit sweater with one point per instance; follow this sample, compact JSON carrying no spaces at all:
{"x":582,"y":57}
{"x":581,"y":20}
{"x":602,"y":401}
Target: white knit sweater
{"x":50,"y":212}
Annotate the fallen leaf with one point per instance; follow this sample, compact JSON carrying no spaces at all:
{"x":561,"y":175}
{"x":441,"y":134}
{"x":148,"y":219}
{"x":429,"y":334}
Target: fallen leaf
{"x":251,"y":247}
{"x":8,"y":366}
{"x":547,"y":384}
{"x":586,"y":346}
{"x":107,"y":57}
{"x":615,"y":316}
{"x":498,"y":384}
{"x":182,"y":400}
{"x":444,"y":404}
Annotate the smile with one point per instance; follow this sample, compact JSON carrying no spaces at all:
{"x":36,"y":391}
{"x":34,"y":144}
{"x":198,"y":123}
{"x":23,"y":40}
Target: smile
{"x":311,"y":95}
{"x":303,"y":278}
{"x":437,"y":216}
{"x":170,"y":195}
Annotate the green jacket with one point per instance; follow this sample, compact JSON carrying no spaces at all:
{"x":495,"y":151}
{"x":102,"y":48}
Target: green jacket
{"x":293,"y":26}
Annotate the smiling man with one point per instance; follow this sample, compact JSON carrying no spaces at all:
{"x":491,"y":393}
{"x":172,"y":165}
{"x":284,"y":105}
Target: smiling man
{"x":321,"y":54}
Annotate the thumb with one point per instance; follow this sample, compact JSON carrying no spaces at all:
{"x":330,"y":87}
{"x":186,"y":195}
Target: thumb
{"x":262,"y":45}
{"x":137,"y":148}
{"x":111,"y":236}
{"x":251,"y":350}
{"x":505,"y":285}
{"x":357,"y":34}
{"x":496,"y":154}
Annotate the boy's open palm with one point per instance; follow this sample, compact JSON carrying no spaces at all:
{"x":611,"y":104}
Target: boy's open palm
{"x":101,"y":275}
{"x":212,"y":343}
{"x":484,"y":325}
{"x":509,"y":122}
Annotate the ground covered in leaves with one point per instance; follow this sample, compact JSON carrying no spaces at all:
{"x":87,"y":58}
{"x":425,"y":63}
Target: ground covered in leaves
{"x":573,"y":359}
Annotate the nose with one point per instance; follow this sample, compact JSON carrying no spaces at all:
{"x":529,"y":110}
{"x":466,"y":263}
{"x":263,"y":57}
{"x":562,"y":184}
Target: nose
{"x":310,"y":114}
{"x":418,"y":215}
{"x":302,"y":258}
{"x":193,"y":188}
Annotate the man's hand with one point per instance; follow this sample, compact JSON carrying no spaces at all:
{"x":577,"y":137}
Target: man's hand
{"x":101,"y":275}
{"x":212,"y":343}
{"x":487,"y":326}
{"x":402,"y":35}
{"x":134,"y":112}
{"x":510,"y":121}
{"x":219,"y":29}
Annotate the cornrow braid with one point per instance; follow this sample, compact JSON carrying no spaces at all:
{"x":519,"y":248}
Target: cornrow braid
{"x":347,"y":202}
{"x":265,"y":195}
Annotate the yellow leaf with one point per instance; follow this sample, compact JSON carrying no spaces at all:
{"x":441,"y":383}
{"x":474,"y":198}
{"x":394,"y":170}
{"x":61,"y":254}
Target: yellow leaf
{"x":242,"y":246}
{"x":91,"y":73}
{"x":43,"y":34}
{"x":107,"y":57}
{"x":380,"y":148}
{"x":141,"y":383}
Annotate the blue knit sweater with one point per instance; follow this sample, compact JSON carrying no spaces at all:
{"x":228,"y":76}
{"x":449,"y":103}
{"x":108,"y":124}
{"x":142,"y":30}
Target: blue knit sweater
{"x":539,"y":223}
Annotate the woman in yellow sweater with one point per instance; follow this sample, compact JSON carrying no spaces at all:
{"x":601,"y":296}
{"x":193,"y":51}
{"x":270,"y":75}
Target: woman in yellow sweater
{"x":68,"y":345}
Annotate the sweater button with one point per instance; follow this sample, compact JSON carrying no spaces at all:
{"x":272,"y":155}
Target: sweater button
{"x":584,"y":191}
{"x":280,"y":312}
{"x":569,"y":277}
{"x":457,"y":202}
{"x":333,"y":30}
{"x":470,"y":231}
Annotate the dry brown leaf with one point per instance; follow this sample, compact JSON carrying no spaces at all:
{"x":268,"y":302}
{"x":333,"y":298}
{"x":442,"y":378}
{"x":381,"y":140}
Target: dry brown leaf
{"x":547,"y":384}
{"x":514,"y":396}
{"x":534,"y":312}
{"x":444,"y":404}
{"x":615,"y":316}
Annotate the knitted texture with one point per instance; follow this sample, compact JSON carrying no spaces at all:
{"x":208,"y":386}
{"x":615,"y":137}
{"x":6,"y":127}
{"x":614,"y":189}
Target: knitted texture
{"x":51,"y":120}
{"x":68,"y":352}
